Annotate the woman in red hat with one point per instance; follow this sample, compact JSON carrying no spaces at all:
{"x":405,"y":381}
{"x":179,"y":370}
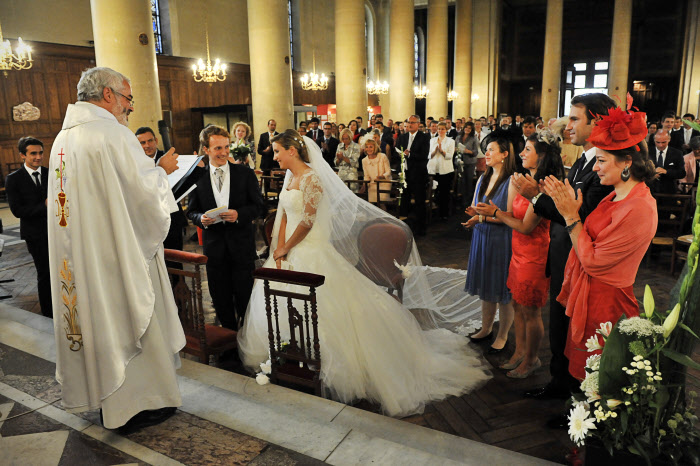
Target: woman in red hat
{"x":609,"y":246}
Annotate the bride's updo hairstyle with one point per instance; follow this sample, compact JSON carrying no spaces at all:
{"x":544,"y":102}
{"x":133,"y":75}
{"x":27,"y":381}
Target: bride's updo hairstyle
{"x":290,"y":138}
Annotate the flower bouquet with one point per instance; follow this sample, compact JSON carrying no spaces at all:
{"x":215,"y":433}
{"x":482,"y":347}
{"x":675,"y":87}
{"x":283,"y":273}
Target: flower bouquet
{"x":240,"y":151}
{"x":402,"y":173}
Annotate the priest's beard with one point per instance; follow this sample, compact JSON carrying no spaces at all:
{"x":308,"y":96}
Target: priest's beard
{"x":121,"y":113}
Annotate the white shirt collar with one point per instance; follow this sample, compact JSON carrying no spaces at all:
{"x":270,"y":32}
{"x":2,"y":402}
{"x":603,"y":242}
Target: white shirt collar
{"x":224,"y":167}
{"x":31,"y":171}
{"x":590,"y":154}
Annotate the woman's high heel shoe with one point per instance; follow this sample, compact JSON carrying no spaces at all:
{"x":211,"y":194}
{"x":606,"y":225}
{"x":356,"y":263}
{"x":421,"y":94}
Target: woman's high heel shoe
{"x":507,"y":366}
{"x":526,"y":374}
{"x":481,"y":339}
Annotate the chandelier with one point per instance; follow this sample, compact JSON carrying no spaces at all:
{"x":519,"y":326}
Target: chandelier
{"x":377,"y":88}
{"x":452,"y":95}
{"x":314,"y":82}
{"x":9,"y":61}
{"x":421,"y":92}
{"x":208,"y":73}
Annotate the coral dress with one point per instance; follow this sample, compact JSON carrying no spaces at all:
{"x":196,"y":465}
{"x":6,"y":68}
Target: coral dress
{"x":526,"y":276}
{"x":598,"y":281}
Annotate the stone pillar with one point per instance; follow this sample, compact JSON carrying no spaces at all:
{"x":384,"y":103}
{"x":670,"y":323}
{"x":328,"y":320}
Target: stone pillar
{"x":270,"y":67}
{"x":350,"y":61}
{"x":119,"y":27}
{"x":383,"y":13}
{"x":551,"y":69}
{"x":436,"y":57}
{"x":402,"y":104}
{"x":461,"y":107}
{"x":620,"y":50}
{"x":689,"y":84}
{"x":486,"y":40}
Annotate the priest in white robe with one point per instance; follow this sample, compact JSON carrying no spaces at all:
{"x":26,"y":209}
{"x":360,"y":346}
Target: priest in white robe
{"x":117,"y":330}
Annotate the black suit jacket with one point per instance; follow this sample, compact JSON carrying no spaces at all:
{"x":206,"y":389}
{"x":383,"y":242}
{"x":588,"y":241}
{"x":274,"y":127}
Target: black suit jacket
{"x":417,"y":162}
{"x":329,"y":154}
{"x":266,"y":158}
{"x":675,"y":169}
{"x":178,"y":219}
{"x":319,"y":136}
{"x":452,"y":133}
{"x":244,"y":197}
{"x":28,"y":202}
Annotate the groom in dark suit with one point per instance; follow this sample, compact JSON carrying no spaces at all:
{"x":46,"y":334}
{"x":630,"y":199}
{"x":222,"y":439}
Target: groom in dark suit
{"x":26,"y":193}
{"x":229,"y":244}
{"x":581,"y":176}
{"x":415,"y":145}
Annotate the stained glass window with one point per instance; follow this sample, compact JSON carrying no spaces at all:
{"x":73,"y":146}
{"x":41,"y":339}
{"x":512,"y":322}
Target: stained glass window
{"x":155,"y":20}
{"x":291,"y":36}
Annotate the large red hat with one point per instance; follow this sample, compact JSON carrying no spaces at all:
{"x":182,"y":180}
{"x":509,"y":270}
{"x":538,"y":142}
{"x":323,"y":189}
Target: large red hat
{"x":619,"y":129}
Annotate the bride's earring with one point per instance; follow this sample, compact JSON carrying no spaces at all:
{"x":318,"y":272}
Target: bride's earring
{"x":625,"y":175}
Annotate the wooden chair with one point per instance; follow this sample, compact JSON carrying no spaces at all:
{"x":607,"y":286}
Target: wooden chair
{"x":390,"y":187}
{"x":380,"y":244}
{"x":299,"y":361}
{"x":202,"y":339}
{"x":680,"y":250}
{"x":673,"y":213}
{"x":271,"y":185}
{"x":362,"y":190}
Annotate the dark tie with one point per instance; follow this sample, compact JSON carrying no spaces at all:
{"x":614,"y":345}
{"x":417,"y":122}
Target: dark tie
{"x":660,"y":160}
{"x":580,"y":164}
{"x":37,"y":181}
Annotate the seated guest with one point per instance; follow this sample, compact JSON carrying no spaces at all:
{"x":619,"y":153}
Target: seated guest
{"x":609,"y":246}
{"x":528,"y":280}
{"x":669,"y":164}
{"x":347,"y":156}
{"x":375,"y":166}
{"x":692,"y":162}
{"x":241,"y":137}
{"x":26,"y":191}
{"x":440,"y":164}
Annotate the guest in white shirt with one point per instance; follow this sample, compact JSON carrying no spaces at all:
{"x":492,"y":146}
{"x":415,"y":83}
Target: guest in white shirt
{"x":440,"y":165}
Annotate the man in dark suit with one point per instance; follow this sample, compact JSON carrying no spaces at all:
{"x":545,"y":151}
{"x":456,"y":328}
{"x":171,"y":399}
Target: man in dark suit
{"x":386,"y":140}
{"x":415,"y":147}
{"x":581,"y":176}
{"x":265,"y":148}
{"x":688,"y":133}
{"x":329,"y":145}
{"x":26,"y":193}
{"x":669,"y":164}
{"x":178,"y":220}
{"x":229,"y":244}
{"x":314,"y":132}
{"x":527,"y":129}
{"x":451,"y":132}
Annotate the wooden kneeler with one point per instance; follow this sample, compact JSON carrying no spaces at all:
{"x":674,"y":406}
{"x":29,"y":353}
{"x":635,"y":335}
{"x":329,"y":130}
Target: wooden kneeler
{"x":299,"y":360}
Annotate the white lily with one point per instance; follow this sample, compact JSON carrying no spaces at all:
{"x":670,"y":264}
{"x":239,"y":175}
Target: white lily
{"x":672,"y":320}
{"x":648,"y":302}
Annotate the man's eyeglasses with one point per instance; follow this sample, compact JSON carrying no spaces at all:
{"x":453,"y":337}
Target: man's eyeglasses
{"x":129,"y":99}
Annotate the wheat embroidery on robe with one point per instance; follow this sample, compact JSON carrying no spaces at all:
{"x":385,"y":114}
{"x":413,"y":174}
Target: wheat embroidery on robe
{"x":69,"y":299}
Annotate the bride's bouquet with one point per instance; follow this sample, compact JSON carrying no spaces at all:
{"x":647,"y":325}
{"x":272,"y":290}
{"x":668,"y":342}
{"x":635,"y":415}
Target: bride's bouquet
{"x":240,"y":150}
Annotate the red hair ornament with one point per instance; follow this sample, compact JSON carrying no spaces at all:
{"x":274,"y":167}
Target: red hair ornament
{"x":619,"y":129}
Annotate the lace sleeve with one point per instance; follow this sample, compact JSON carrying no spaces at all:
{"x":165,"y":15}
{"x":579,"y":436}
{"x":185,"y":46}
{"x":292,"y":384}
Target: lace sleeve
{"x":312,"y":193}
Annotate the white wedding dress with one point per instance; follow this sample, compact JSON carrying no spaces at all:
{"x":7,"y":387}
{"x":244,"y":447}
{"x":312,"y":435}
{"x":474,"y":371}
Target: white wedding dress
{"x":372,"y":347}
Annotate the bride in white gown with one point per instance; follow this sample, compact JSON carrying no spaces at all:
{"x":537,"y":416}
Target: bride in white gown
{"x":372,"y":346}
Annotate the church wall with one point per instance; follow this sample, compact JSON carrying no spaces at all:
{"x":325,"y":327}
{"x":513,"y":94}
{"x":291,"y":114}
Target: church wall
{"x":70,"y":22}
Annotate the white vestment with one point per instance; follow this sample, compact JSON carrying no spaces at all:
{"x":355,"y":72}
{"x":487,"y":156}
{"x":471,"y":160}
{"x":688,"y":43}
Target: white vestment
{"x":116,"y":325}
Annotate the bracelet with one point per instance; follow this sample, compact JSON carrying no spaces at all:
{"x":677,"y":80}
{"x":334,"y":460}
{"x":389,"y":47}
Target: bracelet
{"x":494,"y":213}
{"x":570,"y":228}
{"x":481,"y":218}
{"x":534,"y":199}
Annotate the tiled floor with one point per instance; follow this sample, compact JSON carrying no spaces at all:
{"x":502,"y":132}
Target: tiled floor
{"x":497,"y":414}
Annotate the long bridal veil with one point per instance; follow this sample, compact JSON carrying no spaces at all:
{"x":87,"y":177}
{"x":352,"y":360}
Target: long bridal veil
{"x":436,"y":296}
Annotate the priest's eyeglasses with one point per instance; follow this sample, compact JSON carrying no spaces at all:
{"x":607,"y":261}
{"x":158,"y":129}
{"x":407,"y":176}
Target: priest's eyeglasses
{"x":129,"y":99}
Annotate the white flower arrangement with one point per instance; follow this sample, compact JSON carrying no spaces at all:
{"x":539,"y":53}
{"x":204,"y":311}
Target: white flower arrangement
{"x":640,"y":327}
{"x":406,"y":270}
{"x":592,"y":344}
{"x":580,"y":423}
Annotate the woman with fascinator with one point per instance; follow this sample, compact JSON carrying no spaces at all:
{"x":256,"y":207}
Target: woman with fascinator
{"x":373,"y":347}
{"x":609,"y":246}
{"x":527,"y":280}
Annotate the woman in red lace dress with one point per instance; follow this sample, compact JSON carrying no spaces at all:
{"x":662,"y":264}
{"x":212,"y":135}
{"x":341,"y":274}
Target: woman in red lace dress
{"x":609,"y":246}
{"x":527,"y":279}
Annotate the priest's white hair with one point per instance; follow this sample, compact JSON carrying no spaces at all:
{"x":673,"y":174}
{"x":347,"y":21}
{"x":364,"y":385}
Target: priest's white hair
{"x":94,"y":80}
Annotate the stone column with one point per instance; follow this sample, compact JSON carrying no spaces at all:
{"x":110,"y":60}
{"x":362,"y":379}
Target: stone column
{"x":402,"y":104}
{"x":620,"y":50}
{"x":551,"y":70}
{"x":120,"y":27}
{"x":461,"y":107}
{"x":350,"y":61}
{"x":436,"y":58}
{"x":689,"y":84}
{"x":270,"y":67}
{"x":486,"y":40}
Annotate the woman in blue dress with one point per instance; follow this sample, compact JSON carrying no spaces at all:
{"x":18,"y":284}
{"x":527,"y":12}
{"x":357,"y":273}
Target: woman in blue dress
{"x":489,"y":257}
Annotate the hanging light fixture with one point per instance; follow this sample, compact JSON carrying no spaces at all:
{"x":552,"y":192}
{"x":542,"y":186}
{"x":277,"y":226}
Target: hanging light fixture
{"x":208,"y":73}
{"x":9,"y":61}
{"x":420,"y":91}
{"x":452,"y":95}
{"x":377,"y":88}
{"x":314,"y":82}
